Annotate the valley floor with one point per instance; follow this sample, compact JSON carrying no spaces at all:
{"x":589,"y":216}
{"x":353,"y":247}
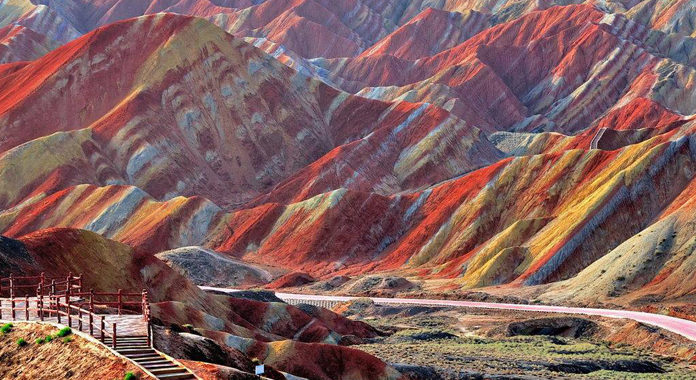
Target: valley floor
{"x":443,"y":343}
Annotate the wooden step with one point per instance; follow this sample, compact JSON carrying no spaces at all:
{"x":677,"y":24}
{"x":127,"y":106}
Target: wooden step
{"x":159,"y":366}
{"x":132,"y":338}
{"x":126,"y":351}
{"x":176,"y":376}
{"x":136,"y":357}
{"x":143,"y":355}
{"x":166,"y":371}
{"x":132,"y":347}
{"x":158,"y":360}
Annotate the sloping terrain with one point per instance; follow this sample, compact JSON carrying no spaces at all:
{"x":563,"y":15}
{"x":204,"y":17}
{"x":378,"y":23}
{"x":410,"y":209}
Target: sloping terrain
{"x":466,"y":143}
{"x":253,"y":112}
{"x":54,"y":360}
{"x":19,"y":43}
{"x":106,"y":265}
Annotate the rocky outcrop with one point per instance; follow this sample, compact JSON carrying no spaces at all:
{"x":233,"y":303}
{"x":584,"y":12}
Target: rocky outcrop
{"x":290,"y":280}
{"x":558,"y":326}
{"x":19,"y":43}
{"x":188,"y":346}
{"x":205,"y":267}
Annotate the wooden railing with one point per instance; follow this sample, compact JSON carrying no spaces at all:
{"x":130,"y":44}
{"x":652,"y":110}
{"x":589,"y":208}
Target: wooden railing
{"x":63,"y":298}
{"x":17,"y":286}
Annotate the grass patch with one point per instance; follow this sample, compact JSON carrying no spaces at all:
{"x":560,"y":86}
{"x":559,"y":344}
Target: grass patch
{"x":130,"y":376}
{"x":67,"y":339}
{"x":21,"y":342}
{"x":6,"y":328}
{"x":40,"y":341}
{"x":496,"y":355}
{"x":48,"y":338}
{"x":65,"y":331}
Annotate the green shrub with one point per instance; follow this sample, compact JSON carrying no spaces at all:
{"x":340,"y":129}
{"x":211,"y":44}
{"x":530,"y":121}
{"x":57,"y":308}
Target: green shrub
{"x":130,"y":376}
{"x":65,"y":331}
{"x":21,"y":342}
{"x":67,"y":339}
{"x":40,"y":341}
{"x":6,"y":328}
{"x":48,"y":338}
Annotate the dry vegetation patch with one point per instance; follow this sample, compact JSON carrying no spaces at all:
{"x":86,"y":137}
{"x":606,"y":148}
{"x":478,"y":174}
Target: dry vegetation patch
{"x":68,"y":357}
{"x":446,"y":343}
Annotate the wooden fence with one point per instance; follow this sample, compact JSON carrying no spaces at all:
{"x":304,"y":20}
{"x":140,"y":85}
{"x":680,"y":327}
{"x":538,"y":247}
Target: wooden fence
{"x":14,"y":286}
{"x":63,"y":298}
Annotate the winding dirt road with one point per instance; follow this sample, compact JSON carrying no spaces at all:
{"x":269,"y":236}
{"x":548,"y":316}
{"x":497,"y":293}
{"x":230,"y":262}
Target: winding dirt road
{"x":680,"y":326}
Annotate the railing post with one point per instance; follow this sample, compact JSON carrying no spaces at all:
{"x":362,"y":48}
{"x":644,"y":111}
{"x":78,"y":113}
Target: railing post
{"x":53,"y":287}
{"x":103,"y":329}
{"x":26,"y":308}
{"x":39,"y":298}
{"x":42,"y":281}
{"x":113,"y":338}
{"x":79,"y":319}
{"x":91,"y":300}
{"x":56,"y":300}
{"x":69,"y":284}
{"x":146,"y":317}
{"x":149,"y":334}
{"x":11,"y":286}
{"x":91,"y":324}
{"x":79,"y":283}
{"x":0,"y":308}
{"x":12,"y":307}
{"x":120,"y":301}
{"x":144,"y":305}
{"x":67,"y":306}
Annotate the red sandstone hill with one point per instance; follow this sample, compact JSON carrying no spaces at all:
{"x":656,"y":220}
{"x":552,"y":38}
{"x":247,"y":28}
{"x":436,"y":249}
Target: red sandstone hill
{"x":531,"y":152}
{"x":286,"y":332}
{"x":513,"y":146}
{"x":321,"y":28}
{"x":556,"y":70}
{"x":19,"y":43}
{"x":194,"y":111}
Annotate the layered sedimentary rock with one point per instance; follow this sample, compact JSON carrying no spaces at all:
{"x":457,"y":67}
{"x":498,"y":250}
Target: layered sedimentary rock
{"x":106,"y":265}
{"x":527,"y":220}
{"x":526,"y":144}
{"x":195,"y":112}
{"x":19,"y":43}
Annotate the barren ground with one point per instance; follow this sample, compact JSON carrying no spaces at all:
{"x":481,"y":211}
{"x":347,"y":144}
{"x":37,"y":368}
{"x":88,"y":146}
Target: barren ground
{"x":76,"y":359}
{"x":461,"y":343}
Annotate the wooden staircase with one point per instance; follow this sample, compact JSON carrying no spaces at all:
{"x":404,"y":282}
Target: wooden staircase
{"x":136,"y":349}
{"x":64,"y":303}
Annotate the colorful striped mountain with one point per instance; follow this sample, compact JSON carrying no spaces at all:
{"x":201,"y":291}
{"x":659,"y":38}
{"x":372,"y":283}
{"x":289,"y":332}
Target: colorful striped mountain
{"x":542,"y":149}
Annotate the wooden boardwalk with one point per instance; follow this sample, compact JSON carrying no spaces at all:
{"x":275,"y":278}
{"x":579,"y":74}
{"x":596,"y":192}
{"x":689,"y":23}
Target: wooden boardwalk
{"x":126,"y":325}
{"x":120,"y":323}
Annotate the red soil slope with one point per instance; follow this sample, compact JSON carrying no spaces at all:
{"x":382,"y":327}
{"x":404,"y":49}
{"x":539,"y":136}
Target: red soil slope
{"x":108,"y":265}
{"x":195,"y":137}
{"x":19,"y":43}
